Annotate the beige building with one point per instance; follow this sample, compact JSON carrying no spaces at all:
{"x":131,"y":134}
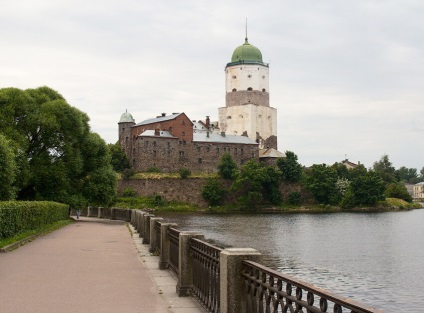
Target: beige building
{"x":419,"y":191}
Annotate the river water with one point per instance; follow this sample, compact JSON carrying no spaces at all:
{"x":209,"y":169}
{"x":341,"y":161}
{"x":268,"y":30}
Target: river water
{"x":373,"y":258}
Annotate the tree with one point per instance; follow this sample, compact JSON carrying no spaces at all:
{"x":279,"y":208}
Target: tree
{"x":408,"y":175}
{"x":213,"y":192}
{"x":321,"y":182}
{"x":7,"y":170}
{"x":226,"y":166}
{"x":365,"y":188}
{"x":257,"y":184}
{"x":398,"y":190}
{"x":119,"y":159}
{"x":342,"y":170}
{"x":291,"y":170}
{"x":59,"y":158}
{"x":385,"y":169}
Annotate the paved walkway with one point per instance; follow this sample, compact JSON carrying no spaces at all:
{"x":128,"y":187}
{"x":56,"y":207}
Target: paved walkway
{"x":89,"y":266}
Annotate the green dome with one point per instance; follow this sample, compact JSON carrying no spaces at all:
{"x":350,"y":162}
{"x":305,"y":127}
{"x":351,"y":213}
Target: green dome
{"x":126,"y":118}
{"x":247,"y":53}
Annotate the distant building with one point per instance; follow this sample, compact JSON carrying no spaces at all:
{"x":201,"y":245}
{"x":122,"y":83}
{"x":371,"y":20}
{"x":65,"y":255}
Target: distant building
{"x":349,"y":165}
{"x":419,"y":191}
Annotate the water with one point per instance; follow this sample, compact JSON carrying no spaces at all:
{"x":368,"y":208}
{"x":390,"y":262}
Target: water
{"x":374,"y":258}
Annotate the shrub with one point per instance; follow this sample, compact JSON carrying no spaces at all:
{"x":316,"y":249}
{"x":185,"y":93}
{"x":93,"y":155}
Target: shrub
{"x":127,"y":173}
{"x":129,"y":192}
{"x":154,"y":170}
{"x":398,"y":190}
{"x":184,"y":173}
{"x":294,"y":198}
{"x":213,"y":192}
{"x":20,"y":216}
{"x":227,"y":166}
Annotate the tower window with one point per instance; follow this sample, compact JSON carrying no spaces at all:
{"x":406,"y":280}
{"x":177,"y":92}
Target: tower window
{"x":234,"y":77}
{"x":229,"y":117}
{"x":263,"y":90}
{"x":199,"y":160}
{"x":263,"y":77}
{"x":234,"y":89}
{"x":250,"y":89}
{"x":249,"y":75}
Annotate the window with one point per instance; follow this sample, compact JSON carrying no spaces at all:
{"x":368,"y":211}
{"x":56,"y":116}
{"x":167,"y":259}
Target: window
{"x":250,"y":89}
{"x":234,"y":89}
{"x":217,"y":150}
{"x":146,"y":144}
{"x":198,"y":149}
{"x":234,"y":77}
{"x":241,"y":151}
{"x":263,"y":90}
{"x":126,"y":139}
{"x":229,"y":117}
{"x":154,"y":153}
{"x":199,"y":160}
{"x":249,"y":75}
{"x":183,"y":134}
{"x":208,"y":149}
{"x":154,"y":143}
{"x":235,"y":151}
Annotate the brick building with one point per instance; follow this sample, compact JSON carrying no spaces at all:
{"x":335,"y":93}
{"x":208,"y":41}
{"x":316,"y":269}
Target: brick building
{"x":172,"y":142}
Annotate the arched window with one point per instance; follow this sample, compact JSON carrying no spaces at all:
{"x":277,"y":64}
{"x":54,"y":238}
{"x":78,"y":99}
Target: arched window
{"x":234,"y":89}
{"x":250,"y":89}
{"x":263,"y":90}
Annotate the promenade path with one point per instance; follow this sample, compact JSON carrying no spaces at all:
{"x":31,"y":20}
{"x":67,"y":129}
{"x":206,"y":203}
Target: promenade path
{"x":89,"y":266}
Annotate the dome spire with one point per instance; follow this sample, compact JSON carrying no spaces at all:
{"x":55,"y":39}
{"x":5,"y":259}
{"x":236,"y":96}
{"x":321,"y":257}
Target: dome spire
{"x":245,"y":38}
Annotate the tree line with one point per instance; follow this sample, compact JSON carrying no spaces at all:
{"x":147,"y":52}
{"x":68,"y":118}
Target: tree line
{"x":255,"y":184}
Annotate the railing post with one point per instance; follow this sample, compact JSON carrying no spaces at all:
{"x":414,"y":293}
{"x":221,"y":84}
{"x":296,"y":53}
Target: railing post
{"x":132,"y":221}
{"x":153,"y":236}
{"x":112,"y":214}
{"x":88,"y":211}
{"x":100,"y":212}
{"x":185,"y":264}
{"x":165,"y":245}
{"x":146,"y":228}
{"x":232,"y":297}
{"x":140,"y":221}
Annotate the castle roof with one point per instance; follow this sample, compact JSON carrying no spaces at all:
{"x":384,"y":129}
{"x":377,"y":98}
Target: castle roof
{"x":216,"y":138}
{"x":271,"y":153}
{"x":151,"y":133}
{"x":159,"y":119}
{"x":247,"y":54}
{"x":126,"y":118}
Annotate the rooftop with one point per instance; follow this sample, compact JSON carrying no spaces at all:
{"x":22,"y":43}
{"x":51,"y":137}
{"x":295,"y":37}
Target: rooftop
{"x":203,"y":137}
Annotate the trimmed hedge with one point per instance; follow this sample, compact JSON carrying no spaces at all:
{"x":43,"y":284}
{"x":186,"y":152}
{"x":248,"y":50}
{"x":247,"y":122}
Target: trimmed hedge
{"x":20,"y":216}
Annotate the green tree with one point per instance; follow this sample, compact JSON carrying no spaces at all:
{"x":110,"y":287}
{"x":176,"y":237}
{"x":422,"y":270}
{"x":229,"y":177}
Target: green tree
{"x":398,"y":190}
{"x":8,"y":169}
{"x":257,"y":184}
{"x":213,"y":192}
{"x":365,"y":188}
{"x":291,"y":170}
{"x":385,"y":169}
{"x":119,"y":159}
{"x":408,"y":175}
{"x":321,"y":183}
{"x":59,"y":158}
{"x":226,"y":166}
{"x":342,"y":170}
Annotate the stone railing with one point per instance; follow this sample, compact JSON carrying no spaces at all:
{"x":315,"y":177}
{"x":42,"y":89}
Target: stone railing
{"x":232,"y":279}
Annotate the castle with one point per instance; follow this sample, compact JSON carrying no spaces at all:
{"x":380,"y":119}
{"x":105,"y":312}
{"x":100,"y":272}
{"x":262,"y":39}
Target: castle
{"x":247,"y":126}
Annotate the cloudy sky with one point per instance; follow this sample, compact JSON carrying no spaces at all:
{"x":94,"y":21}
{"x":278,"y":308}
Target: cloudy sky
{"x":347,"y":77}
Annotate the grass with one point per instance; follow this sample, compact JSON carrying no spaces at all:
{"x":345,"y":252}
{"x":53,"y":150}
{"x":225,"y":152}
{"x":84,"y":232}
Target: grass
{"x":40,"y":231}
{"x":400,"y":204}
{"x":154,"y":202}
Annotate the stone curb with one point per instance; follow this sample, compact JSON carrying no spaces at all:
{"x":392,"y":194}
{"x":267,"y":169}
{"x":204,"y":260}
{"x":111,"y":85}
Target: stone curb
{"x":19,"y":243}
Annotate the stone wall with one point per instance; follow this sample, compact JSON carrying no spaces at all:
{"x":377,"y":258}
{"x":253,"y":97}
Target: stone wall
{"x":188,"y":190}
{"x":241,"y":97}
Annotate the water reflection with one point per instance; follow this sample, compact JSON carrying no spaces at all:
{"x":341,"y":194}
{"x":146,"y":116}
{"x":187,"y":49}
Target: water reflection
{"x":375,"y":258}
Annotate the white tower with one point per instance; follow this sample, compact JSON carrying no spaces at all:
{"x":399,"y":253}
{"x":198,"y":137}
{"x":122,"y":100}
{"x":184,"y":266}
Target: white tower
{"x":247,"y":111}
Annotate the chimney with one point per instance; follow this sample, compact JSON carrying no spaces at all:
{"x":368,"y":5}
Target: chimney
{"x":207,"y":134}
{"x":163,"y":114}
{"x":223,"y":134}
{"x":208,"y":122}
{"x":157,"y":132}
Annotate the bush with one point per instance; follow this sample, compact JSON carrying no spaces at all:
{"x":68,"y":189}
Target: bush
{"x":129,"y":192}
{"x":20,"y":216}
{"x":154,"y":170}
{"x":184,"y":173}
{"x":294,"y":198}
{"x":398,"y":190}
{"x":127,"y":173}
{"x":213,"y":192}
{"x":227,"y":166}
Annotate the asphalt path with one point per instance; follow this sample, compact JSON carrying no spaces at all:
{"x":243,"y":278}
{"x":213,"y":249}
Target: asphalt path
{"x":87,"y":266}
